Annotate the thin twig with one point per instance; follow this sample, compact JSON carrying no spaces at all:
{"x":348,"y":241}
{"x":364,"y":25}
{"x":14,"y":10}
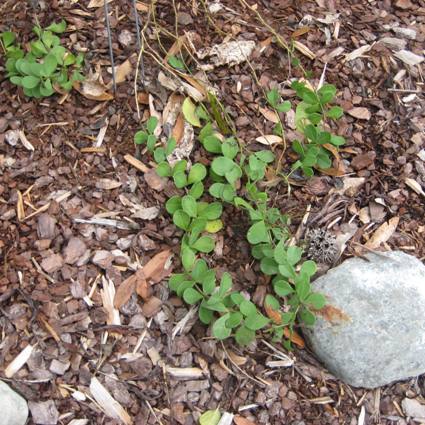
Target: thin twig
{"x":111,"y":53}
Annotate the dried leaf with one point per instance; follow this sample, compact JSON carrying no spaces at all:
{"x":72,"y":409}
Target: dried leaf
{"x":143,"y":289}
{"x":382,"y":233}
{"x":18,"y":361}
{"x":294,"y":337}
{"x":360,"y":113}
{"x":97,"y":3}
{"x":127,"y":287}
{"x":302,"y":48}
{"x":121,"y":71}
{"x":158,"y":266}
{"x":93,"y":89}
{"x":357,"y":53}
{"x":178,"y":129}
{"x":238,"y":360}
{"x":272,"y":314}
{"x":109,"y":405}
{"x":270,"y":115}
{"x":269,"y":140}
{"x":413,"y":184}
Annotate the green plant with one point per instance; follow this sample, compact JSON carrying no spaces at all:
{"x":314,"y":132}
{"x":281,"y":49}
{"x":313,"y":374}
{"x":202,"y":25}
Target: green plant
{"x":310,"y":120}
{"x":233,"y":177}
{"x":47,"y":67}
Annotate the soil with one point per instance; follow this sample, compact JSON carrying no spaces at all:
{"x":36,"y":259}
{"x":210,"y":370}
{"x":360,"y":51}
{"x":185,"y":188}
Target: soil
{"x":55,"y":254}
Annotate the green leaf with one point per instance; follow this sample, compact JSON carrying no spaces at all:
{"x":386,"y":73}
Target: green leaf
{"x":16,"y":80}
{"x":212,"y":144}
{"x":282,"y":288}
{"x":38,"y":49}
{"x":180,"y":179}
{"x":268,"y":266}
{"x":58,"y":28}
{"x":205,"y":315}
{"x":273,"y":97}
{"x":237,"y":298}
{"x":151,"y":124}
{"x":234,"y":174}
{"x":204,"y":244}
{"x":337,"y":140}
{"x":336,"y":112}
{"x":214,"y":226}
{"x":173,"y":204}
{"x":189,"y":205}
{"x":180,"y":166}
{"x":196,"y":228}
{"x":272,"y":302}
{"x":309,"y":268}
{"x":188,"y":258}
{"x":210,"y":417}
{"x":151,"y":142}
{"x":212,"y":211}
{"x":181,"y":219}
{"x":310,"y":132}
{"x":234,"y":320}
{"x":265,"y":156}
{"x":171,"y":145}
{"x":244,"y":336}
{"x":230,"y":148}
{"x":192,"y":296}
{"x":29,"y":82}
{"x":8,"y":38}
{"x":257,"y":233}
{"x":197,"y":173}
{"x":164,"y":170}
{"x":256,"y":321}
{"x":287,"y":270}
{"x":140,"y":137}
{"x":175,"y":281}
{"x":303,"y":287}
{"x":225,"y":284}
{"x":307,"y":317}
{"x":316,"y":300}
{"x":159,"y":155}
{"x":326,"y":93}
{"x":222,"y":165}
{"x":197,"y":190}
{"x":208,"y":282}
{"x":247,"y":308}
{"x":200,"y":268}
{"x":219,"y":329}
{"x":47,"y":38}
{"x":284,"y":106}
{"x":175,"y":62}
{"x":293,"y":254}
{"x":189,"y":112}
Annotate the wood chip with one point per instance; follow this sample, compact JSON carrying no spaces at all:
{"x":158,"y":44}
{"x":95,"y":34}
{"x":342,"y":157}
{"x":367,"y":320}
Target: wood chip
{"x":269,"y":140}
{"x":409,"y":58}
{"x":18,"y":361}
{"x":109,"y":405}
{"x":357,"y":53}
{"x":108,"y":296}
{"x":414,"y":185}
{"x":107,"y":184}
{"x":185,"y":372}
{"x":360,"y":113}
{"x":136,"y":163}
{"x":25,"y":141}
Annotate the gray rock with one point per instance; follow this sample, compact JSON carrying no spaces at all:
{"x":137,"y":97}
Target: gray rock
{"x":372,"y":332}
{"x":13,"y":408}
{"x":44,"y":412}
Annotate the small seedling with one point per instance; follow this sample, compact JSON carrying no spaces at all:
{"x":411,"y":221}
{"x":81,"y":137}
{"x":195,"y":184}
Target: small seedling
{"x":47,"y":67}
{"x":310,"y":116}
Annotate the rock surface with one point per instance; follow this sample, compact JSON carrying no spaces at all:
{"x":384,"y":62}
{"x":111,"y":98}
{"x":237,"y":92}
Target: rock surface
{"x":372,"y":332}
{"x":13,"y":408}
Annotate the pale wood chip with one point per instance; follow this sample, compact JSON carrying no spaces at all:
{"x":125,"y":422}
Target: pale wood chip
{"x":18,"y":361}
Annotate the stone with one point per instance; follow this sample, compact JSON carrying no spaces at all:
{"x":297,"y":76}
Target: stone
{"x":372,"y":331}
{"x":184,"y":18}
{"x":125,"y":38}
{"x":13,"y":408}
{"x":12,"y":137}
{"x":75,"y":249}
{"x":58,"y":367}
{"x":44,"y":412}
{"x":52,"y":263}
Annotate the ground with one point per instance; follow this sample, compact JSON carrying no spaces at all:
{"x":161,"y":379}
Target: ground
{"x":50,"y":283}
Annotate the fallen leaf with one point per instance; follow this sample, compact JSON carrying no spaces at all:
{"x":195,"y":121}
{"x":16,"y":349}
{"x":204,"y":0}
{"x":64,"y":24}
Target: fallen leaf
{"x":300,"y":31}
{"x":158,"y":266}
{"x":269,"y":140}
{"x":143,"y":289}
{"x":178,"y":129}
{"x":97,"y":3}
{"x":240,"y":420}
{"x":238,"y":360}
{"x":121,"y":71}
{"x":143,"y":98}
{"x":413,"y":184}
{"x":93,"y":89}
{"x":332,"y":314}
{"x":142,"y":7}
{"x":127,"y":287}
{"x":272,"y":314}
{"x":109,"y":405}
{"x":294,"y":337}
{"x":360,"y":113}
{"x":382,"y":233}
{"x":270,"y":115}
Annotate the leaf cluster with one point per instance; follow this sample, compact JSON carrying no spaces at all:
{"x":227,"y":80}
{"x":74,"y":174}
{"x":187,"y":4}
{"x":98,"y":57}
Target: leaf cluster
{"x":46,"y":67}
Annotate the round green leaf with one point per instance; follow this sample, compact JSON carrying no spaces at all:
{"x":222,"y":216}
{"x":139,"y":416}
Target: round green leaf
{"x":316,"y":300}
{"x":256,"y":321}
{"x":309,"y":267}
{"x":164,"y":169}
{"x":219,"y":328}
{"x":244,"y":336}
{"x":205,"y":315}
{"x":211,"y":417}
{"x":140,"y":137}
{"x":283,"y":288}
{"x":181,"y":219}
{"x":307,"y":317}
{"x":204,"y":244}
{"x":234,"y":320}
{"x":49,"y":65}
{"x":188,"y":258}
{"x":293,"y":254}
{"x":222,"y":165}
{"x":257,"y":233}
{"x":272,"y":302}
{"x":212,"y":144}
{"x":197,"y":190}
{"x":180,"y":179}
{"x":247,"y":308}
{"x":30,"y":82}
{"x":173,"y":204}
{"x":189,"y":205}
{"x":189,"y":112}
{"x":212,"y":211}
{"x":151,"y":124}
{"x":197,"y":173}
{"x":192,"y":296}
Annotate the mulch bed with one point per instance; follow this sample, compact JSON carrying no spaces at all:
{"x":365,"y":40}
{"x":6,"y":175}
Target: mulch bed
{"x":53,"y":267}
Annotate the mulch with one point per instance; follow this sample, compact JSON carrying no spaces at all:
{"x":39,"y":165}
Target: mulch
{"x":54,"y":254}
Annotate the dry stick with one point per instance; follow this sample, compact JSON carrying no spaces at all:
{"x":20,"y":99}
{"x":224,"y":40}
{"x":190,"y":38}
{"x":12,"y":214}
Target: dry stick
{"x":111,"y":53}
